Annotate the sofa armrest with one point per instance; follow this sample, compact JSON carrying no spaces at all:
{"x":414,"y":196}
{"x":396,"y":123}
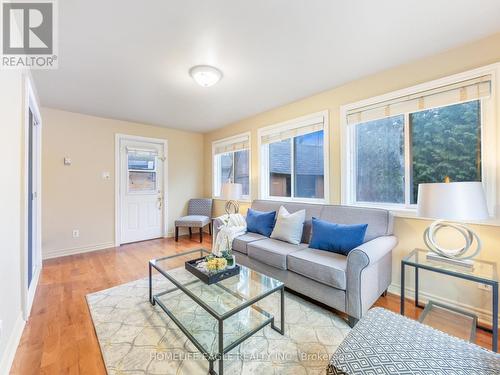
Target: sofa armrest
{"x":369,"y":273}
{"x":217,"y":223}
{"x":371,"y":252}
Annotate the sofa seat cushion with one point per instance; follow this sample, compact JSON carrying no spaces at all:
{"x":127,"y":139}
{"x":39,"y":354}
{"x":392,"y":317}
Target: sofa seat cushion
{"x":323,"y":266}
{"x":273,"y":252}
{"x":240,"y":243}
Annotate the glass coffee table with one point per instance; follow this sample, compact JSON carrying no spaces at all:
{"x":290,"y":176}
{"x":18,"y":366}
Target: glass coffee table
{"x":216,"y":318}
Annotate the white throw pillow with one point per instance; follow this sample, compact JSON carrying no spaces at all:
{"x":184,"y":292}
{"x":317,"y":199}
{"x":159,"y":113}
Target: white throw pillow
{"x":289,"y":226}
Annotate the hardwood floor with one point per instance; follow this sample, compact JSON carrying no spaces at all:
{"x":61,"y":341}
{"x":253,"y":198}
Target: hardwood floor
{"x":59,"y":337}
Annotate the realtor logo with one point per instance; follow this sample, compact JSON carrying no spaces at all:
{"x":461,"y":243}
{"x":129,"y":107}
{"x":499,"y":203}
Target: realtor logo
{"x":28,"y":34}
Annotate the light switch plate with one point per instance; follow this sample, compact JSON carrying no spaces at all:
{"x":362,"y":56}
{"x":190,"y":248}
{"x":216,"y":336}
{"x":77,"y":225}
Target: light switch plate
{"x":67,"y":161}
{"x":106,"y":175}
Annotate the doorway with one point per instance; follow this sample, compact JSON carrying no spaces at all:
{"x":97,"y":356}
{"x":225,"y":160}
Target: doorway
{"x":141,"y":182}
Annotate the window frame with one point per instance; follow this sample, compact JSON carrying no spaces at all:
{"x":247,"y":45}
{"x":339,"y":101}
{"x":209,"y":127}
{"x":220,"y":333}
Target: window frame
{"x":264,"y":158}
{"x":216,"y":163}
{"x":488,"y":141}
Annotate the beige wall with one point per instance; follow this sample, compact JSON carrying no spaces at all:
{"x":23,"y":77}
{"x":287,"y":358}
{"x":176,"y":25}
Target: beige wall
{"x":76,"y":196}
{"x":12,"y":146}
{"x":409,"y":231}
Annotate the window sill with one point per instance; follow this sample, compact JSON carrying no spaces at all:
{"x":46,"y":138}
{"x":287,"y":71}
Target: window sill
{"x":295,"y":200}
{"x":242,"y":200}
{"x":411,"y":213}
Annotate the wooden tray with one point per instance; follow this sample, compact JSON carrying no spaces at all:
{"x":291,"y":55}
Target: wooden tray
{"x":213,"y":277}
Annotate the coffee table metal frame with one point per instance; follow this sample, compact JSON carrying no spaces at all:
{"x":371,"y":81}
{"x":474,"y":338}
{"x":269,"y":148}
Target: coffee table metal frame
{"x":154,"y":299}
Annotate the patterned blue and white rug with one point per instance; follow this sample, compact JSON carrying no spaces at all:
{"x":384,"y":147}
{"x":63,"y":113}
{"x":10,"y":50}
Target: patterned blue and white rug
{"x":137,"y":338}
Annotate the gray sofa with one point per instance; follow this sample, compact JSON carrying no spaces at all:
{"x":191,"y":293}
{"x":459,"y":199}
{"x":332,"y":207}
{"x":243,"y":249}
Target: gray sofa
{"x":350,"y":284}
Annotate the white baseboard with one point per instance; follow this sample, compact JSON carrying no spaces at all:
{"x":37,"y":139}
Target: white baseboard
{"x":483,"y":315}
{"x":12,"y":344}
{"x":32,"y":291}
{"x":76,"y":250}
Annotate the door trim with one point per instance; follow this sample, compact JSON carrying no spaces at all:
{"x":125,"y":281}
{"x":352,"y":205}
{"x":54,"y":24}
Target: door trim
{"x":28,"y":291}
{"x":118,"y":220}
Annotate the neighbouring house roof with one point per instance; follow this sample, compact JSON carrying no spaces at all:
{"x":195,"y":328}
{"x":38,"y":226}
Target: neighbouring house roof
{"x":241,"y":168}
{"x":309,"y":159}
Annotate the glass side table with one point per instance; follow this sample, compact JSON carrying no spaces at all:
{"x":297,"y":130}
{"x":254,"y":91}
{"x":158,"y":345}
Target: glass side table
{"x":483,"y":272}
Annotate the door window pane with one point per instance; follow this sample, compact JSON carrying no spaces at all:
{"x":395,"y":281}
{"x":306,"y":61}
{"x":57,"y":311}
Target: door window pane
{"x":141,"y":182}
{"x":380,"y":160}
{"x":241,"y":170}
{"x":141,"y":161}
{"x":280,"y":170}
{"x":308,"y":165}
{"x":446,"y":142}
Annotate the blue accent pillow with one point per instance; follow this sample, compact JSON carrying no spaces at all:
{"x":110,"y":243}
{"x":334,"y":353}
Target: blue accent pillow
{"x":260,"y":222}
{"x":337,"y":238}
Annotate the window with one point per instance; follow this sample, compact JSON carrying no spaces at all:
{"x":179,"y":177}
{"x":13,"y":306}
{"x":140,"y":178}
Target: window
{"x":294,"y":159}
{"x":231,"y":163}
{"x":425,"y":136}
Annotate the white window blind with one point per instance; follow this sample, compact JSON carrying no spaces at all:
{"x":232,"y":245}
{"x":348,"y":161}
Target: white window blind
{"x":310,"y":125}
{"x":141,"y":151}
{"x":232,"y":145}
{"x":472,"y":89}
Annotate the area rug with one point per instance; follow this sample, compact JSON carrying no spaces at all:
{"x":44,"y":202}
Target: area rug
{"x":138,"y":338}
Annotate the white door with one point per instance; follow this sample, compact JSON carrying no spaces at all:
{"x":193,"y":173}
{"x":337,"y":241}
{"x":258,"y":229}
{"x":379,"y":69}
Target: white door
{"x":33,"y":240}
{"x":141,"y":190}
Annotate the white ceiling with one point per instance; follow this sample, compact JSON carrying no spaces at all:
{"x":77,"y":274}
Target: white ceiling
{"x":129,"y":59}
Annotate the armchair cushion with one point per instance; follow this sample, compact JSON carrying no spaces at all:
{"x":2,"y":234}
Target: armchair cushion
{"x":194,"y":221}
{"x":386,"y":343}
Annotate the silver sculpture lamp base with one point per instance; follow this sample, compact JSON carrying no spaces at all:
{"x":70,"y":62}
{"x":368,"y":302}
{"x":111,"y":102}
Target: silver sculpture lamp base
{"x":459,"y":256}
{"x":233,"y":206}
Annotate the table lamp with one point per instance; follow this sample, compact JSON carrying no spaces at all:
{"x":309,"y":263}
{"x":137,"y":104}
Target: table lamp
{"x":232,"y":192}
{"x":456,"y":202}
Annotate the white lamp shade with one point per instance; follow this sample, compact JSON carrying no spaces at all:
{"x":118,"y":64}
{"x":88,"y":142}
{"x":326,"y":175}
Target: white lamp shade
{"x":231,"y":191}
{"x":456,"y":201}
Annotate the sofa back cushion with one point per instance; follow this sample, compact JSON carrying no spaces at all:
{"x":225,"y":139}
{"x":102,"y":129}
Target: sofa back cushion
{"x":311,"y":210}
{"x":380,"y":222}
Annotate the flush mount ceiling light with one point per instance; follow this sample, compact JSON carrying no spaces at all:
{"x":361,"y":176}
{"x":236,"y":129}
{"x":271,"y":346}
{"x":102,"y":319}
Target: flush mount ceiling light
{"x":205,"y":75}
